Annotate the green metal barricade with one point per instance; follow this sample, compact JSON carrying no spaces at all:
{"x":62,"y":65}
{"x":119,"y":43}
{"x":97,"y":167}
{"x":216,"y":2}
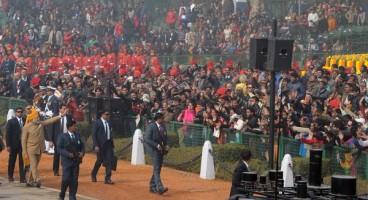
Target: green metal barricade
{"x":289,"y":146}
{"x":257,"y":144}
{"x":189,"y":134}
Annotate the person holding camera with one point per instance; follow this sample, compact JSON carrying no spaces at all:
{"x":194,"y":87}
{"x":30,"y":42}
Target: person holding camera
{"x":71,"y":149}
{"x":155,"y":138}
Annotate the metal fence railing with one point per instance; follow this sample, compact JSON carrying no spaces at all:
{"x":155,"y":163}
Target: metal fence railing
{"x":341,"y":160}
{"x":7,"y":103}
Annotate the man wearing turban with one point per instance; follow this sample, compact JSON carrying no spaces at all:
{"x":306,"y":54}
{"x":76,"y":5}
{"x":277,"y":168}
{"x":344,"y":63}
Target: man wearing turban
{"x":33,"y":142}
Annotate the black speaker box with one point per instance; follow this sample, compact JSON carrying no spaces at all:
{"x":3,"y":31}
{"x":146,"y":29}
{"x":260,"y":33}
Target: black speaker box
{"x":258,"y":53}
{"x":280,"y":55}
{"x":343,"y":185}
{"x":315,"y":167}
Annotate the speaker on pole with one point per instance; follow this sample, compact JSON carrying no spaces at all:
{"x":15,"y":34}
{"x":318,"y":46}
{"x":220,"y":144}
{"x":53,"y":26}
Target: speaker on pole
{"x":280,"y":55}
{"x":258,"y":53}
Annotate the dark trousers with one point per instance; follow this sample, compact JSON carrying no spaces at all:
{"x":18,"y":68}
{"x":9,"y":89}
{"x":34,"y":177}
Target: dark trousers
{"x":155,"y":183}
{"x":56,"y":162}
{"x":70,"y":179}
{"x":11,"y":164}
{"x":105,"y":157}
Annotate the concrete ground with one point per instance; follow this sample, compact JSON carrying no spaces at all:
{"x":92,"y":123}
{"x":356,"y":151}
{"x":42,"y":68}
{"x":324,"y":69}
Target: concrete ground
{"x":16,"y":191}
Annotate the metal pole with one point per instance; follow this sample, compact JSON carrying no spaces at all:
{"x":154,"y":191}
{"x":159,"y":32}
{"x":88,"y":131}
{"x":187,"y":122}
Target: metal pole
{"x":299,"y":8}
{"x":272,"y":110}
{"x":272,"y":106}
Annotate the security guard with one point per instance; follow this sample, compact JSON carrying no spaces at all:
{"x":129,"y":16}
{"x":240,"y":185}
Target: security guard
{"x":71,"y":150}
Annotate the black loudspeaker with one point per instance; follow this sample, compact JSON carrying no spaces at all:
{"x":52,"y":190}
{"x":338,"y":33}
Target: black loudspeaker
{"x":301,"y":189}
{"x":258,"y":53}
{"x":315,"y":167}
{"x":343,"y":185}
{"x":280,"y":55}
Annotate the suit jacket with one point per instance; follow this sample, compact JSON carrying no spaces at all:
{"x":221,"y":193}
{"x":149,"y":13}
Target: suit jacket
{"x":153,"y":137}
{"x":99,"y":134}
{"x":53,"y":104}
{"x":33,"y":136}
{"x":13,"y":133}
{"x":236,"y":182}
{"x":66,"y":146}
{"x":14,"y":89}
{"x":56,"y":129}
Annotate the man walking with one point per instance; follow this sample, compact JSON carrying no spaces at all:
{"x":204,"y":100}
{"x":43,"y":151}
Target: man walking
{"x":155,"y":138}
{"x":71,"y":150}
{"x":236,"y":187}
{"x":104,"y":147}
{"x":14,"y":146}
{"x":33,"y":143}
{"x":58,"y":130}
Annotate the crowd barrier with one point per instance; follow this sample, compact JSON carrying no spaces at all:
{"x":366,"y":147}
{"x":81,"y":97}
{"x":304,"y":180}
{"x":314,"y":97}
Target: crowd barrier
{"x":7,"y":103}
{"x":341,"y":160}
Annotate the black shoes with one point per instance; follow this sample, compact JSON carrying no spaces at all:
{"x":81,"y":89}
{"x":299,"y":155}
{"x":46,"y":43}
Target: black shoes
{"x":11,"y":179}
{"x":93,"y":179}
{"x":109,"y":182}
{"x":56,"y":174}
{"x":162,"y":191}
{"x":34,"y":184}
{"x":153,"y":191}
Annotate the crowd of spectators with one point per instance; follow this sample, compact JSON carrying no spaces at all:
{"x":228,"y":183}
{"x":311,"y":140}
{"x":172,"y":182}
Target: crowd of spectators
{"x":85,"y":49}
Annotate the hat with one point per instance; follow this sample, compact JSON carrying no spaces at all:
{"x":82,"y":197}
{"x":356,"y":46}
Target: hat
{"x":35,"y":81}
{"x":32,"y":116}
{"x":51,"y":88}
{"x":42,"y":87}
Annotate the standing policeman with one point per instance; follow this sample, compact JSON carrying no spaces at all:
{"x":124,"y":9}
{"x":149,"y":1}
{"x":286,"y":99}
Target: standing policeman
{"x":156,"y":139}
{"x":71,"y":150}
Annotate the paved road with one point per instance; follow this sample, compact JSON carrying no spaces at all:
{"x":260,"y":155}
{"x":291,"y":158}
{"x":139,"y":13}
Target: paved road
{"x":17,"y":191}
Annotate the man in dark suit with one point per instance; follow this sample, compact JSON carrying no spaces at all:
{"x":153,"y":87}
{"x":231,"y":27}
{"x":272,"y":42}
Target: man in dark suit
{"x":155,"y":138}
{"x":52,"y":102}
{"x":71,"y":149}
{"x":104,"y":146}
{"x":242,"y":167}
{"x":14,"y":146}
{"x":51,"y":110}
{"x":17,"y":86}
{"x":58,"y":130}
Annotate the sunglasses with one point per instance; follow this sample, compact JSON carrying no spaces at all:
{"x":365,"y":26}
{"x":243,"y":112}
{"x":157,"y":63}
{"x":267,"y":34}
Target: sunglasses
{"x":19,"y":111}
{"x":106,"y":113}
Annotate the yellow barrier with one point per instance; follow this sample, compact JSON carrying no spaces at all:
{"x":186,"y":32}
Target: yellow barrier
{"x":354,"y":62}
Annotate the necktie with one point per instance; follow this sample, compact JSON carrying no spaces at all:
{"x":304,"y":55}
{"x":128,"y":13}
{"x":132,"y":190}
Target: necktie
{"x":73,"y":137}
{"x":20,"y":123}
{"x":161,"y":130}
{"x":107,"y":130}
{"x":62,"y":125}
